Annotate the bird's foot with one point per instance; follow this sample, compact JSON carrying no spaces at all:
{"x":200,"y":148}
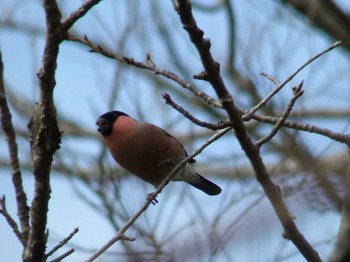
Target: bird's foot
{"x":152,"y":197}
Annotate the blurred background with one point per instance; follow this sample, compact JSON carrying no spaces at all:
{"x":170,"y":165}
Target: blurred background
{"x":91,"y":192}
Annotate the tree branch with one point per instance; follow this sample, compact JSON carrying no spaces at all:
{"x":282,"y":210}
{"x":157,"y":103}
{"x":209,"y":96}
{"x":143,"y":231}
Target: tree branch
{"x":193,"y":119}
{"x":63,"y":256}
{"x":183,"y":7}
{"x":45,"y":136}
{"x":62,"y":243}
{"x":6,"y":123}
{"x":327,"y":15}
{"x":289,"y":78}
{"x":342,"y":138}
{"x":297,"y":93}
{"x":12,"y":223}
{"x":79,"y":13}
{"x":149,"y":65}
{"x":342,"y":250}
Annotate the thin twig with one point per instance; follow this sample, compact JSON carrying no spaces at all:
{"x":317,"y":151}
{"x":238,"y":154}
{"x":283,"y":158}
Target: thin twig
{"x":120,"y":234}
{"x":271,"y":78}
{"x":62,"y":243}
{"x":10,"y":220}
{"x":212,"y":126}
{"x":297,"y":93}
{"x":63,"y":256}
{"x":80,"y":12}
{"x":6,"y":123}
{"x":149,"y":65}
{"x":342,"y":138}
{"x":280,"y":86}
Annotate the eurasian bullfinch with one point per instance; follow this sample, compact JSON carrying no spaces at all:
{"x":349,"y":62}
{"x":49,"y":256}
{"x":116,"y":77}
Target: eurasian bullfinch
{"x":148,"y":151}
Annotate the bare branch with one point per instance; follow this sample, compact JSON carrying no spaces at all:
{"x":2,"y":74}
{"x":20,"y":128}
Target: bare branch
{"x":183,"y":7}
{"x":45,"y":136}
{"x":10,"y":220}
{"x":289,"y":78}
{"x":342,"y":138}
{"x":62,"y":243}
{"x":79,"y":13}
{"x":187,"y":114}
{"x":149,"y":65}
{"x":6,"y":123}
{"x":271,"y":78}
{"x":63,"y":256}
{"x":297,"y":93}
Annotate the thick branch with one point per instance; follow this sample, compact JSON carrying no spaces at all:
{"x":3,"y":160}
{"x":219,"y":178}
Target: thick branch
{"x":272,"y":191}
{"x":45,"y":136}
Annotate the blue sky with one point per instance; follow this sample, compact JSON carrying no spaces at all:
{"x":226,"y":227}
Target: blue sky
{"x":84,"y":83}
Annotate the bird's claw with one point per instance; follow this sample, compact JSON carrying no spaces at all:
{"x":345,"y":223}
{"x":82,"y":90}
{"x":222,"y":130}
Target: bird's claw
{"x":152,"y":197}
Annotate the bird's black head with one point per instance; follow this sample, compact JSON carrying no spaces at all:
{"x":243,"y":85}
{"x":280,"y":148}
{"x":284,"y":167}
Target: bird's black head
{"x":105,"y":122}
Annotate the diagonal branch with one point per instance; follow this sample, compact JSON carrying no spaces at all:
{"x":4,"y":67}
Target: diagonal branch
{"x":273,"y":192}
{"x":297,"y":93}
{"x":6,"y":123}
{"x":149,"y":65}
{"x":10,"y":220}
{"x":289,"y":78}
{"x":80,"y":12}
{"x":62,"y":243}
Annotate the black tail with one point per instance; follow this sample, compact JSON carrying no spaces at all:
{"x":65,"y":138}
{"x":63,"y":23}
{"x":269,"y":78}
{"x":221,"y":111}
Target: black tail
{"x":207,"y":186}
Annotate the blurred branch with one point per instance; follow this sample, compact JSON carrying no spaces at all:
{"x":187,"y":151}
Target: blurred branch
{"x":232,"y":34}
{"x":6,"y":123}
{"x":211,"y":67}
{"x":330,"y":114}
{"x":342,"y":250}
{"x":342,"y":138}
{"x":326,"y":15}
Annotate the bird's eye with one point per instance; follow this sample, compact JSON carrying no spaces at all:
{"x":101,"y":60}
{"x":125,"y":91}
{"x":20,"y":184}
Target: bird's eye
{"x":101,"y":123}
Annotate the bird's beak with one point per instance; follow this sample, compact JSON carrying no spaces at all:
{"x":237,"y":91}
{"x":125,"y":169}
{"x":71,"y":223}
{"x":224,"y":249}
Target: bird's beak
{"x":103,"y":125}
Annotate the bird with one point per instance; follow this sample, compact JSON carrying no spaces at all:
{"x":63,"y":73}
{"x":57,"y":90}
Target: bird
{"x":148,"y":152}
